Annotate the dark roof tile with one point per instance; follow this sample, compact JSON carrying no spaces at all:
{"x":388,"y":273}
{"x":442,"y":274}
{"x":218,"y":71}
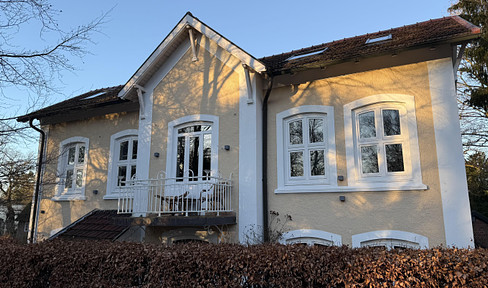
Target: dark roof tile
{"x":426,"y":33}
{"x":96,"y":225}
{"x":94,"y":98}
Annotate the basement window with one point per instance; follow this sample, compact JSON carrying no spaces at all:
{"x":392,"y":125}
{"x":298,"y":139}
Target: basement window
{"x":307,"y":54}
{"x":378,"y":39}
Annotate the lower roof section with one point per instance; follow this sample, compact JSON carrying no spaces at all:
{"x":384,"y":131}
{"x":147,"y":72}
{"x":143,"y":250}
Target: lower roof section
{"x":95,"y":225}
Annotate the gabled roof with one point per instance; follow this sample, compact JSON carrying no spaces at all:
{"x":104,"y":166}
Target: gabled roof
{"x":96,"y":225}
{"x":176,"y":37}
{"x":452,"y":29}
{"x":430,"y":33}
{"x":95,"y":98}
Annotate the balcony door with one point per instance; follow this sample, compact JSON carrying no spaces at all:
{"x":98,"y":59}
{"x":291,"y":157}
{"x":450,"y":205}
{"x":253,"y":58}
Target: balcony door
{"x":193,"y":152}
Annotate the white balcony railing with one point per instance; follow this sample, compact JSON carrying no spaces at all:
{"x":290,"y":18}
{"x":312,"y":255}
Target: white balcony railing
{"x":179,"y":195}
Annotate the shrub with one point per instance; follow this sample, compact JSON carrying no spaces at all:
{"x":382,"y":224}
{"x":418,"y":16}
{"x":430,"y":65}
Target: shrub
{"x":107,"y":264}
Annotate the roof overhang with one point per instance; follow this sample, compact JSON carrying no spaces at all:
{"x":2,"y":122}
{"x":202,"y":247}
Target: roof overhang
{"x":170,"y":44}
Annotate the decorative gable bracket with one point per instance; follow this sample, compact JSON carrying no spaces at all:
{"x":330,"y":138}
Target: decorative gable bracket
{"x":142,"y":110}
{"x":192,"y":41}
{"x":247,"y":69}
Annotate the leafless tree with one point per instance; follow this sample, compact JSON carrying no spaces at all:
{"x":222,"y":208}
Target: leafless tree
{"x":35,"y":68}
{"x":16,"y":185}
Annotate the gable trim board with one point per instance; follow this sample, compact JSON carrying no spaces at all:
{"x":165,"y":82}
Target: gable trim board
{"x":188,"y":22}
{"x":452,"y":174}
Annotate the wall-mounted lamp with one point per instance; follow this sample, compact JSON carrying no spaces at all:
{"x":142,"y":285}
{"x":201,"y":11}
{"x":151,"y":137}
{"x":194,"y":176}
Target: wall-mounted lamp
{"x":156,"y":154}
{"x":340,"y":178}
{"x":342,"y":198}
{"x":95,"y":192}
{"x":226,"y":147}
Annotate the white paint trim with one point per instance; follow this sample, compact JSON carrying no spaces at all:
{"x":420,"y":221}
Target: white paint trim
{"x":293,"y":236}
{"x":171,"y":144}
{"x":373,"y":187}
{"x":412,"y":164}
{"x":75,"y":194}
{"x":323,"y":185}
{"x":250,"y":155}
{"x":237,"y":52}
{"x":422,"y":241}
{"x":452,"y":174}
{"x":111,"y":184}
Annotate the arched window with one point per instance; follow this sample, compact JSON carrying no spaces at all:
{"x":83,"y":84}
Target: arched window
{"x":390,"y":239}
{"x":306,"y":149}
{"x":382,"y":149}
{"x":193,"y":147}
{"x":311,"y":237}
{"x":122,"y":161}
{"x":72,"y":164}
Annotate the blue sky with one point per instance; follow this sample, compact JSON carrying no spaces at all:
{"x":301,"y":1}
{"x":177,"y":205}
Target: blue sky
{"x":133,"y":29}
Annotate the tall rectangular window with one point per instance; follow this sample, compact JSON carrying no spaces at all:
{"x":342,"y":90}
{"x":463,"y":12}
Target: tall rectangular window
{"x":72,"y":168}
{"x":126,"y":159}
{"x":306,"y":147}
{"x":305,"y":141}
{"x":193,"y":152}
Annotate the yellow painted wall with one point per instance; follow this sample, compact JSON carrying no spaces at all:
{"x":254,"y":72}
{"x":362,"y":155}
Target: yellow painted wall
{"x":413,"y":211}
{"x":207,"y":86}
{"x":58,"y":214}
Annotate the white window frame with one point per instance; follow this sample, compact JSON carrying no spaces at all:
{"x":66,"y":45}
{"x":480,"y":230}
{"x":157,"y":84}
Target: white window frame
{"x":112,"y":191}
{"x":390,"y":239}
{"x":74,"y":193}
{"x":311,"y":237}
{"x":286,"y":184}
{"x":411,"y":178}
{"x":172,"y":143}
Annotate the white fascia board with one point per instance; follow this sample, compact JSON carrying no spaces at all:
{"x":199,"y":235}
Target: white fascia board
{"x":240,"y":54}
{"x":452,"y":173}
{"x":152,"y":59}
{"x":237,"y":52}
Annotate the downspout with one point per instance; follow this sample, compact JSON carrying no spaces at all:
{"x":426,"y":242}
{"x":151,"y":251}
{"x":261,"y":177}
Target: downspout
{"x":38,"y":183}
{"x":265,"y":160}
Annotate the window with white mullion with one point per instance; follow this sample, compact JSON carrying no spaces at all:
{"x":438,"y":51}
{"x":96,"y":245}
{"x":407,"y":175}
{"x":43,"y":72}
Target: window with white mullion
{"x":380,"y":141}
{"x":193,"y":152}
{"x":306,"y":147}
{"x":126,"y":159}
{"x":74,"y":168}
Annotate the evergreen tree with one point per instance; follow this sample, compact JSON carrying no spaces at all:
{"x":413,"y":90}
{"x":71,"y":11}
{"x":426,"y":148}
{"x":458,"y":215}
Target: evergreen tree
{"x":477,"y":174}
{"x":474,"y":69}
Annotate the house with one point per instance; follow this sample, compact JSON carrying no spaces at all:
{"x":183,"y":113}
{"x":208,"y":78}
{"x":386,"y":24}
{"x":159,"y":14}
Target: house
{"x":480,"y":229}
{"x":357,"y":139}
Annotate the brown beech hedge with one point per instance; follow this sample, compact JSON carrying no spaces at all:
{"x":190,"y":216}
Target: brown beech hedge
{"x":107,"y":264}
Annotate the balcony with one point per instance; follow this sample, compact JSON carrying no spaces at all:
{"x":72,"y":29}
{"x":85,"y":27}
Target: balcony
{"x":178,"y":196}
